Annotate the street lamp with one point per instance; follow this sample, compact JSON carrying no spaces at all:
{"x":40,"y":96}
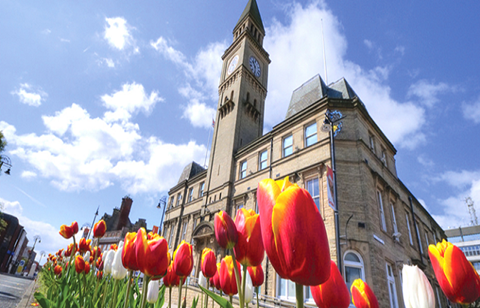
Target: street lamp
{"x":5,"y":161}
{"x":36,"y":238}
{"x":162,"y":203}
{"x":333,"y":125}
{"x":42,"y":253}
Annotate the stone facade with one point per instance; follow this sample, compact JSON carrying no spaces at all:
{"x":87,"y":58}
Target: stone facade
{"x":382,"y":225}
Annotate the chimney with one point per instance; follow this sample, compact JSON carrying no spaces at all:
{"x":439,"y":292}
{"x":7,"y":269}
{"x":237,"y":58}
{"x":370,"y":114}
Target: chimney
{"x":124,"y":212}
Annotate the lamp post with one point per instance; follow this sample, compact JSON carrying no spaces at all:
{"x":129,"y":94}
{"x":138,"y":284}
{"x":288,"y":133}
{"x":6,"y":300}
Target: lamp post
{"x":333,"y":125}
{"x":162,"y":203}
{"x":5,"y":161}
{"x":93,"y":222}
{"x":36,"y":238}
{"x":42,"y":253}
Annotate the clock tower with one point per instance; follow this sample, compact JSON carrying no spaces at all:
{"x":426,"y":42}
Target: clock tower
{"x":241,"y":104}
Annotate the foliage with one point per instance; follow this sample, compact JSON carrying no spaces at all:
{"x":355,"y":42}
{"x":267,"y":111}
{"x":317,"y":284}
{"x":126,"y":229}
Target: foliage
{"x":3,"y":143}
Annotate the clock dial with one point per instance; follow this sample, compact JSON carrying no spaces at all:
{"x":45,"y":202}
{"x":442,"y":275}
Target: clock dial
{"x":255,"y":66}
{"x":233,"y":65}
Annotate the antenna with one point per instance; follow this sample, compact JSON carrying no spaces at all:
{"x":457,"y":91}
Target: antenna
{"x":471,"y":210}
{"x":324,"y":56}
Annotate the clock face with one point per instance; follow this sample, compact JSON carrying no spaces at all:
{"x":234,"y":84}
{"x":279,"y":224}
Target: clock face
{"x":255,"y":66}
{"x":233,"y":65}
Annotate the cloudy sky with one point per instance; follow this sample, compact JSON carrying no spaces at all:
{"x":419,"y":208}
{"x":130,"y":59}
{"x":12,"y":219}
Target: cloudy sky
{"x":105,"y":99}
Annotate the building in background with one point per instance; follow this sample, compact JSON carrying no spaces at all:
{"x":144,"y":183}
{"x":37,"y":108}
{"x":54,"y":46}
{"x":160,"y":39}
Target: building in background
{"x":468,"y":240}
{"x":12,"y":236}
{"x":118,"y":224}
{"x":381,"y":224}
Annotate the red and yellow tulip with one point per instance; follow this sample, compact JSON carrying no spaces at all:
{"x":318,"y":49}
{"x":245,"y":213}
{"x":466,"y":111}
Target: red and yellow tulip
{"x":208,"y":263}
{"x":99,"y":275}
{"x":99,"y":229}
{"x":293,"y":232}
{"x":227,"y":276}
{"x":257,"y":275}
{"x":151,"y":252}
{"x":84,"y":245}
{"x":362,"y":295}
{"x":183,"y":260}
{"x":333,"y":292}
{"x":79,"y":264}
{"x":456,"y":276}
{"x":69,"y":250}
{"x":129,"y":259}
{"x":68,"y":231}
{"x":216,"y":278}
{"x":57,"y":270}
{"x":249,"y":250}
{"x":87,"y":267}
{"x":225,"y":230}
{"x":171,"y":279}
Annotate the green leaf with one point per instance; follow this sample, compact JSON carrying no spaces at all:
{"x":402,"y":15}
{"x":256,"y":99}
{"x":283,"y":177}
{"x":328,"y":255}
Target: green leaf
{"x":42,"y":300}
{"x":161,"y":297}
{"x":220,"y":300}
{"x":195,"y":302}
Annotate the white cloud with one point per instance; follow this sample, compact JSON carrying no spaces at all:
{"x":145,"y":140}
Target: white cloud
{"x":199,"y":114}
{"x":471,"y":111}
{"x":28,"y":175}
{"x":169,"y":52}
{"x":425,"y":161}
{"x":30,"y":95}
{"x":80,"y":152}
{"x":118,"y":34}
{"x":427,"y":92}
{"x":51,"y":241}
{"x":46,"y":31}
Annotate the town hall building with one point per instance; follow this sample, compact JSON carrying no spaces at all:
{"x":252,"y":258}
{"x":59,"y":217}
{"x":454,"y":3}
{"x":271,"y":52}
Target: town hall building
{"x":381,"y":224}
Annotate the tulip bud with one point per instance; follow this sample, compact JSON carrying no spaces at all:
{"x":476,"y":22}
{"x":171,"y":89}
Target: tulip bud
{"x":99,"y":229}
{"x":257,"y":275}
{"x":362,"y":295}
{"x":87,"y":255}
{"x":99,"y":275}
{"x":118,"y":271}
{"x":208,"y":263}
{"x":79,"y":264}
{"x":183,"y":260}
{"x":202,"y":281}
{"x":417,"y":291}
{"x":249,"y":249}
{"x":248,"y":289}
{"x":225,"y":230}
{"x":57,"y":270}
{"x":129,"y":259}
{"x":108,"y":262}
{"x":87,"y":268}
{"x":152,"y":291}
{"x":227,"y":276}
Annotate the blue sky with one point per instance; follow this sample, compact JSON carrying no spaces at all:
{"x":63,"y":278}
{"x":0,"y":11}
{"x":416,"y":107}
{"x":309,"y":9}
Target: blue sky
{"x":104,"y":99}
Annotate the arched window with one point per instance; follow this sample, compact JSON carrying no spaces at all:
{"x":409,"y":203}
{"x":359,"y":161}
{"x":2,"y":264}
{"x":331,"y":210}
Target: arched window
{"x":231,"y":96}
{"x":248,"y":96}
{"x":352,"y":267}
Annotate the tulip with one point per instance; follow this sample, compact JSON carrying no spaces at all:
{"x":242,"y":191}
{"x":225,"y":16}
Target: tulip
{"x":99,"y":263}
{"x":216,"y":278}
{"x":183,"y":260}
{"x":417,"y":291}
{"x":108,"y":262}
{"x":114,"y":247}
{"x":202,"y":280}
{"x":99,"y":229}
{"x":257,"y":275}
{"x":69,"y":250}
{"x":79,"y":264}
{"x":227,"y":276}
{"x":68,"y":231}
{"x":87,"y":268}
{"x":84,"y":245}
{"x":248,"y":289}
{"x":129,"y":259}
{"x":456,"y":276}
{"x":57,"y":270}
{"x":249,"y":250}
{"x":152,"y":291}
{"x":362,"y":295}
{"x":118,"y":271}
{"x":151,"y":254}
{"x":332,"y":293}
{"x":171,"y":279}
{"x":225,"y":230}
{"x":99,"y":275}
{"x":208,"y":263}
{"x":86,"y":256}
{"x":293,"y":232}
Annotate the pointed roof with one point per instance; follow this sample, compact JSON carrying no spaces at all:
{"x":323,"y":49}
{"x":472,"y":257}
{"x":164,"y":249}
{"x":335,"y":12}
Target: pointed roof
{"x":252,"y":10}
{"x":190,"y":171}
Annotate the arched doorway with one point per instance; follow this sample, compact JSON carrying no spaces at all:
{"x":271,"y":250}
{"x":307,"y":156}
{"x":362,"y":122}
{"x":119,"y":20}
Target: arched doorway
{"x":204,"y":236}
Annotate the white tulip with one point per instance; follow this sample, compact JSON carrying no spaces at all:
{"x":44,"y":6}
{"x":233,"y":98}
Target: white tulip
{"x":118,"y":271}
{"x":108,"y":262}
{"x":202,"y":281}
{"x":248,"y":289}
{"x":417,"y":291}
{"x":86,"y":257}
{"x":152,"y":291}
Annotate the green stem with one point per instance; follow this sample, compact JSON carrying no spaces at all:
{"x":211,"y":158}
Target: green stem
{"x":206,"y":297}
{"x":115,"y":294}
{"x":169,"y":297}
{"x":299,"y":295}
{"x":244,"y":281}
{"x":231,"y":299}
{"x":104,"y":291}
{"x":84,"y":286}
{"x":237,"y":279}
{"x":129,"y":287}
{"x":258,"y":304}
{"x":146,"y":280}
{"x":180,"y":293}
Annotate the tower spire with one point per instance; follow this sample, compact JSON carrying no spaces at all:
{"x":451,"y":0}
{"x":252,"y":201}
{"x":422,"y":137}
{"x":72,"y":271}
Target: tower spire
{"x":252,"y":10}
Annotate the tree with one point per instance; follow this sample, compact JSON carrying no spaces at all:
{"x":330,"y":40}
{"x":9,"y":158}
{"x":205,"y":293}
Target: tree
{"x":3,"y":143}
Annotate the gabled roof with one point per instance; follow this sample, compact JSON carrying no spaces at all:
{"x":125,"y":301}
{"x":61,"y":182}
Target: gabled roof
{"x":315,"y":89}
{"x":252,"y":10}
{"x":190,"y":171}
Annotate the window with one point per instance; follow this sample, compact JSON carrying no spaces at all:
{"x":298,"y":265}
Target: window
{"x":419,"y":240}
{"x":190,"y":195}
{"x":184,"y":230}
{"x":426,"y":238}
{"x":256,"y":206}
{"x":243,"y":170}
{"x":170,"y":242}
{"x":392,"y":291}
{"x":263,"y":160}
{"x":352,"y":268}
{"x":310,"y":134}
{"x":288,"y":146}
{"x":286,"y":290}
{"x":394,"y":222}
{"x":372,"y":142}
{"x":382,"y":211}
{"x":172,"y":199}
{"x":384,"y":157}
{"x":409,"y":230}
{"x":200,"y":191}
{"x":179,"y":199}
{"x":193,"y":229}
{"x":313,"y":189}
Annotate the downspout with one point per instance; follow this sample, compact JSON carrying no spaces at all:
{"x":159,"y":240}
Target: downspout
{"x":415,"y":226}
